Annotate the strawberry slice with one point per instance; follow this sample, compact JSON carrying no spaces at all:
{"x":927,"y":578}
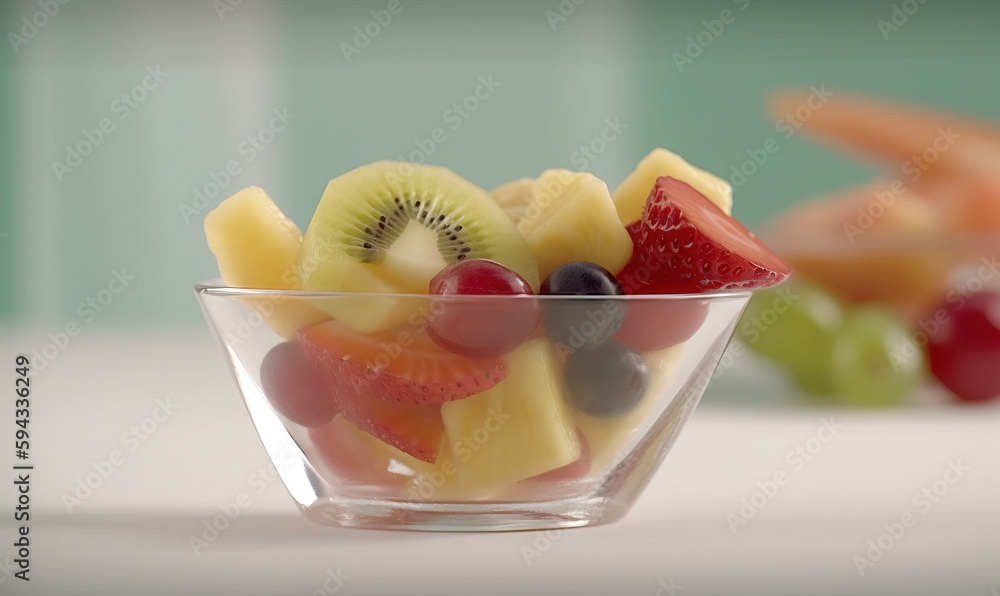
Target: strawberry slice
{"x":686,"y":244}
{"x":402,"y":365}
{"x":414,"y":429}
{"x":354,"y":456}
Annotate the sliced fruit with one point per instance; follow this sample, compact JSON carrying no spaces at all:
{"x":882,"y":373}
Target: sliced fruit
{"x":964,"y":351}
{"x":606,"y":381}
{"x":413,"y":429}
{"x":402,"y":365}
{"x":296,"y":387}
{"x":571,"y":218}
{"x":469,"y":324}
{"x":583,"y":323}
{"x":630,"y":196}
{"x":514,"y":197}
{"x":256,"y":247}
{"x":892,"y":131}
{"x":607,"y":437}
{"x":439,"y":482}
{"x":689,"y":245}
{"x":359,"y":458}
{"x":520,"y":428}
{"x":871,"y":365}
{"x":863,"y":251}
{"x":570,"y":472}
{"x":653,"y":324}
{"x":351,"y":244}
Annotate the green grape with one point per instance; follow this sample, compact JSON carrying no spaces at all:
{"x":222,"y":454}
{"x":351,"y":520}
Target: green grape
{"x":814,"y":381}
{"x":871,"y":365}
{"x":795,"y":325}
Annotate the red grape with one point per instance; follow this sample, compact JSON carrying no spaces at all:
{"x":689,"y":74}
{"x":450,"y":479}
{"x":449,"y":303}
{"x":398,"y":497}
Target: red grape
{"x":964,"y":351}
{"x":295,"y":387}
{"x":482,"y":327}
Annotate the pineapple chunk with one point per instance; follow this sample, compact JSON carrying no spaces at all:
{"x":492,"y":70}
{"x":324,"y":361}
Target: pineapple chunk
{"x":571,"y":218}
{"x":607,"y":436}
{"x":514,"y":197}
{"x":256,"y":247}
{"x":520,"y":428}
{"x":438,"y":481}
{"x":630,"y":197}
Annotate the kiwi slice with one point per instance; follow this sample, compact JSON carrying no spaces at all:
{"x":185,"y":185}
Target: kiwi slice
{"x":364,"y":213}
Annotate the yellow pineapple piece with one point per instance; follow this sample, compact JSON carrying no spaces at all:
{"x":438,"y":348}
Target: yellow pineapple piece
{"x":571,"y":217}
{"x":439,"y":481}
{"x":630,"y":197}
{"x":256,"y":245}
{"x":520,"y":428}
{"x":514,"y":197}
{"x":607,"y":436}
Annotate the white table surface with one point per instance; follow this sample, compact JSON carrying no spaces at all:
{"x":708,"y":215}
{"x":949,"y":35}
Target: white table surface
{"x":132,"y":535}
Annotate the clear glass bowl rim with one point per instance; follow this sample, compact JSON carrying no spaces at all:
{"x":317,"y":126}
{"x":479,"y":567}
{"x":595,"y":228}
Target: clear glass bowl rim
{"x":216,"y":287}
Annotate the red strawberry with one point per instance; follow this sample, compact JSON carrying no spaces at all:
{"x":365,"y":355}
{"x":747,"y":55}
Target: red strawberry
{"x":347,"y":451}
{"x":415,"y":429}
{"x":687,"y":244}
{"x":401,"y":365}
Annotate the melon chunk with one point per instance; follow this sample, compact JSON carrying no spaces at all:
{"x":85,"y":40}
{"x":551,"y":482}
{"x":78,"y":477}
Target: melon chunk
{"x":520,"y":428}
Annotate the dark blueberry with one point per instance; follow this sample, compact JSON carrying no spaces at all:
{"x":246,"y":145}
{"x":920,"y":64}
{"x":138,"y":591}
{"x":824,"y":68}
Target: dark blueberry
{"x":586,"y":323}
{"x":606,"y":381}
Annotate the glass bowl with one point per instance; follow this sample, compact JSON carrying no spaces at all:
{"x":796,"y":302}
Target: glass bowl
{"x":370,"y":423}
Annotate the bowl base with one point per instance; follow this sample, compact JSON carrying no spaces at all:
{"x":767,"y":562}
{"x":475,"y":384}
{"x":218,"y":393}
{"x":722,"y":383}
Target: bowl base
{"x":442,"y":516}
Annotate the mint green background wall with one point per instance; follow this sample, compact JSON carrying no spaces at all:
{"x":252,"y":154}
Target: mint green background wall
{"x":945,"y":54}
{"x":609,"y":59}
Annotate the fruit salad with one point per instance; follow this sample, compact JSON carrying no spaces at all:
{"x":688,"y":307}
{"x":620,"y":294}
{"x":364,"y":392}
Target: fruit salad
{"x":442,"y":342}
